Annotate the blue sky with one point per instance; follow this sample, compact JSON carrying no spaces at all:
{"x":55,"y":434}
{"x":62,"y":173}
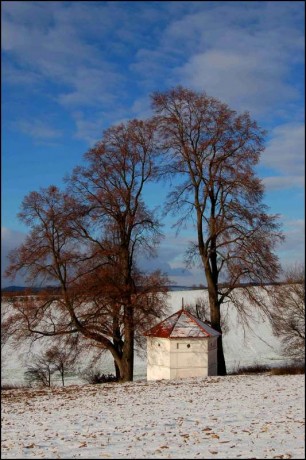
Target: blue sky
{"x":72,"y":69}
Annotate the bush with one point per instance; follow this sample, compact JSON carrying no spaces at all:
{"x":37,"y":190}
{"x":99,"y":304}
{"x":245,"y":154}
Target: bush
{"x":94,"y":377}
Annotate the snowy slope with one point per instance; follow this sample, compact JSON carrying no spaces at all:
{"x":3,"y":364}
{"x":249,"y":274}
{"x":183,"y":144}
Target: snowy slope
{"x":241,"y":347}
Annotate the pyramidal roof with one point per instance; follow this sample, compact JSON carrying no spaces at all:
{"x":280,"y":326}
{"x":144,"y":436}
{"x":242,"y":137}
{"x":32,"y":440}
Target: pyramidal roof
{"x":182,"y":324}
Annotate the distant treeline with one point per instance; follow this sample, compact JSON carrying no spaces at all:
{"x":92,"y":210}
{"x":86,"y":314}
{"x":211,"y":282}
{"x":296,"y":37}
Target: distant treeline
{"x":24,"y":290}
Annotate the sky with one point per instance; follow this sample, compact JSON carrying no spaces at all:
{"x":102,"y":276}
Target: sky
{"x":72,"y":69}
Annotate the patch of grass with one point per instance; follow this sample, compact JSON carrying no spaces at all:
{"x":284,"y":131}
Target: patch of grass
{"x":289,"y":369}
{"x":254,"y":369}
{"x":13,"y":386}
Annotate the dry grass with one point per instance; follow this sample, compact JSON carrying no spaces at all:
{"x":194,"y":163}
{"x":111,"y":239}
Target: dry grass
{"x":293,"y":368}
{"x":254,"y":369}
{"x":13,"y":386}
{"x":289,"y":369}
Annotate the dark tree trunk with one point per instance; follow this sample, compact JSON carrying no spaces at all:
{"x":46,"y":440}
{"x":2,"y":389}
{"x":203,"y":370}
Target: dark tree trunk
{"x":220,"y":356}
{"x":128,"y":347}
{"x":117,"y":371}
{"x":63,"y":376}
{"x":215,"y":319}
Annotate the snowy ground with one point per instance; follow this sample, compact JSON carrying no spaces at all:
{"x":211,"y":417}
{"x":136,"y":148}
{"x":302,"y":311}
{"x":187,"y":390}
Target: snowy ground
{"x":245,"y":416}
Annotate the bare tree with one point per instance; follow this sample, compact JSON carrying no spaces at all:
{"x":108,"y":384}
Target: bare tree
{"x":40,"y":370}
{"x":288,"y":312}
{"x":86,"y":240}
{"x":61,"y":358}
{"x":212,"y":152}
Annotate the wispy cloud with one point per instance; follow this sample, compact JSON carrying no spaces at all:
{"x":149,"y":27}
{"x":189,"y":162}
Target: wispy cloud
{"x":293,"y":249}
{"x":10,"y":239}
{"x":273,"y":183}
{"x":285,"y":154}
{"x":39,"y":130}
{"x":285,"y":151}
{"x":243,"y":53}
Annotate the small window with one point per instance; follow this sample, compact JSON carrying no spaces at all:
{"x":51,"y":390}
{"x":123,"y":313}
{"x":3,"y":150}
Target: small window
{"x":188,"y":345}
{"x":177,"y":345}
{"x":159,"y":344}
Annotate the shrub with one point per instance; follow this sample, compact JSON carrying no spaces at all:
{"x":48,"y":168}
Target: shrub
{"x":94,"y":377}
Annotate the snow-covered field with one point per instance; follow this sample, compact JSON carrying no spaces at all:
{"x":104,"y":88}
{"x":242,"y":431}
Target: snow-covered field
{"x":245,"y":416}
{"x":241,"y":347}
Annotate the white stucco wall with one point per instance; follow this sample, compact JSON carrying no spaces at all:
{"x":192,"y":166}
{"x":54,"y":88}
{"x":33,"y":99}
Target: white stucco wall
{"x":188,"y":358}
{"x":158,"y":356}
{"x":179,"y":358}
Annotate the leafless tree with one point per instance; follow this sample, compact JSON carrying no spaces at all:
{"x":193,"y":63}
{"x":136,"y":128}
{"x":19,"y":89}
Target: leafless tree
{"x":288,"y":312}
{"x":86,"y":240}
{"x":212,"y":151}
{"x":61,"y":358}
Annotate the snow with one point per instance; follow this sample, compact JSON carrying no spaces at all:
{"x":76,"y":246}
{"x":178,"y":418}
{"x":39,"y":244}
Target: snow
{"x":244,"y":416}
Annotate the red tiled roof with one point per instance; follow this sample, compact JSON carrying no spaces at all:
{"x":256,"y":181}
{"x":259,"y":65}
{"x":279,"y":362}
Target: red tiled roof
{"x":182,"y":324}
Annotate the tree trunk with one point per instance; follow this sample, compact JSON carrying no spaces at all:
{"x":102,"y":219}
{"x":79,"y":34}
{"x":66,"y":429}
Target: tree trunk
{"x":128,"y":347}
{"x":215,"y":319}
{"x":117,"y":371}
{"x":220,"y":356}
